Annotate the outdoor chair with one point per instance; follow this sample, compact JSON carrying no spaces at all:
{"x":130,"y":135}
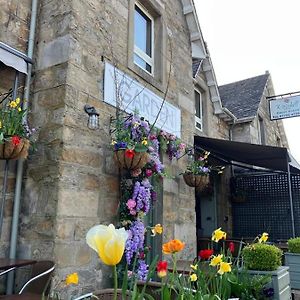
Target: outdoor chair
{"x":40,"y":278}
{"x":85,"y":296}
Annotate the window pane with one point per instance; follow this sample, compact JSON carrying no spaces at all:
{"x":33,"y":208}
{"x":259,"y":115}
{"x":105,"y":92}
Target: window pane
{"x":142,"y":31}
{"x":198,"y":104}
{"x":140,"y":62}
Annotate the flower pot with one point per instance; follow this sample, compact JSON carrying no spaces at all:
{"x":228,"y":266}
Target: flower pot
{"x":292,"y":260}
{"x":199,"y":181}
{"x":280,"y":282}
{"x":10,"y":151}
{"x":136,"y":161}
{"x":108,"y":294}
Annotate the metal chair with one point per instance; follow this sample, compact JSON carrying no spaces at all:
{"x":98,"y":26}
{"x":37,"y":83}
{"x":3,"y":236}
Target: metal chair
{"x":86,"y":296}
{"x":39,"y":282}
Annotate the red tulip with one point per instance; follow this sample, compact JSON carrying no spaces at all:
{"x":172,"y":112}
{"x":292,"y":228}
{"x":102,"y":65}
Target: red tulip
{"x":162,"y":268}
{"x":231,"y":247}
{"x":205,"y":254}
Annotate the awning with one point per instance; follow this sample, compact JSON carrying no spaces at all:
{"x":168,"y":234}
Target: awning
{"x":269,"y":157}
{"x":14,"y":58}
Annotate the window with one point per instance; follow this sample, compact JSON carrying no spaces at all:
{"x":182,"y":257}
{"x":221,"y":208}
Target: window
{"x":143,"y":39}
{"x":198,"y":110}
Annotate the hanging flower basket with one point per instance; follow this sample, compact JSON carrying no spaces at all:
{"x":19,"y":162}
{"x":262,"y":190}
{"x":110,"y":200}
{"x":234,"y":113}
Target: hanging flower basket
{"x":14,"y":149}
{"x":130,"y":159}
{"x":199,"y":181}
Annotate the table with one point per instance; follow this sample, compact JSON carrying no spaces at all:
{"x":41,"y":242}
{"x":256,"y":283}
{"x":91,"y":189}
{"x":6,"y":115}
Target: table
{"x":7,"y":263}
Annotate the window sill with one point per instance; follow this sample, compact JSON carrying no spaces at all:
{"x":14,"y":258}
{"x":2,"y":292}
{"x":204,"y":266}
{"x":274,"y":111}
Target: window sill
{"x":146,"y":76}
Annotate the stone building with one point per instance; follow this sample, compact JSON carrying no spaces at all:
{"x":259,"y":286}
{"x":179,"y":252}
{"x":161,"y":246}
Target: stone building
{"x":71,"y":182}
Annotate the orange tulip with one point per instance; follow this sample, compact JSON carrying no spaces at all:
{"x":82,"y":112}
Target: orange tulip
{"x":173,"y":246}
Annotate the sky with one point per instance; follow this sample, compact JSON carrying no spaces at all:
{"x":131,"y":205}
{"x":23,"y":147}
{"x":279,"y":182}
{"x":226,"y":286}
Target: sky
{"x":247,"y":37}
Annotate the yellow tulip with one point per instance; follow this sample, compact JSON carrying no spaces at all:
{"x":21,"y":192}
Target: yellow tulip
{"x":216,"y":260}
{"x":264,"y":237}
{"x":72,"y":279}
{"x":194,"y":267}
{"x":108,"y":242}
{"x":218,"y":234}
{"x":224,"y":267}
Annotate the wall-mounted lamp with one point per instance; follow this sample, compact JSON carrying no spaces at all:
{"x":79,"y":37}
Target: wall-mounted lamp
{"x":93,"y":122}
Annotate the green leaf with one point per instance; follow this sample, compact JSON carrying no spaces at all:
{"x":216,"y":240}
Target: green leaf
{"x":125,"y":283}
{"x":140,"y":148}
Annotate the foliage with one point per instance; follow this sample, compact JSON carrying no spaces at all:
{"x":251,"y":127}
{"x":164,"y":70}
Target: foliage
{"x":294,"y":245}
{"x":262,"y":257}
{"x":11,"y":122}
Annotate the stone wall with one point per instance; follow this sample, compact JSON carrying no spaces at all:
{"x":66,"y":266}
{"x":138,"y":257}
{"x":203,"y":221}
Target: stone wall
{"x":72,"y":182}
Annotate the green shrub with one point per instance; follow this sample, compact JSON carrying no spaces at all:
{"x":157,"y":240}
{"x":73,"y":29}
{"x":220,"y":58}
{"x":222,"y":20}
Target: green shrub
{"x":262,"y":257}
{"x":294,"y":245}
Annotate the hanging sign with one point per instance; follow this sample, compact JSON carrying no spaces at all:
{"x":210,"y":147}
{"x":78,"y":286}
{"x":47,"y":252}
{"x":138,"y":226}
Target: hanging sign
{"x":286,"y":107}
{"x":133,"y":97}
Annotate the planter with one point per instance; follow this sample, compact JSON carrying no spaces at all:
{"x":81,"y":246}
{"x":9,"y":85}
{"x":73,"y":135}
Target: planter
{"x":137,"y":161}
{"x":292,"y":260}
{"x":280,"y":282}
{"x":199,"y":181}
{"x":108,"y":294}
{"x":9,"y":151}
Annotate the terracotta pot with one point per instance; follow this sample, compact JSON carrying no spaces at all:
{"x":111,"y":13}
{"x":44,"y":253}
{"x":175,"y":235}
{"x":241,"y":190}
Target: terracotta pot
{"x":138,"y":160}
{"x":108,"y":294}
{"x":199,"y":181}
{"x":9,"y":151}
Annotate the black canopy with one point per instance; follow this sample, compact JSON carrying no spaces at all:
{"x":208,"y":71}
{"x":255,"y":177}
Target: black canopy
{"x":269,"y":157}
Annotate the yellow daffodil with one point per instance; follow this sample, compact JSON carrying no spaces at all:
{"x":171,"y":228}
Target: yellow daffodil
{"x":193,"y":277}
{"x":144,"y":142}
{"x":206,"y":154}
{"x":19,"y":109}
{"x":0,"y":124}
{"x":224,"y":267}
{"x":218,"y":234}
{"x":216,"y":260}
{"x":108,"y":242}
{"x":157,"y":229}
{"x":113,"y":142}
{"x":13,"y":104}
{"x":194,"y":267}
{"x":264,"y":237}
{"x":72,"y":279}
{"x":18,"y":101}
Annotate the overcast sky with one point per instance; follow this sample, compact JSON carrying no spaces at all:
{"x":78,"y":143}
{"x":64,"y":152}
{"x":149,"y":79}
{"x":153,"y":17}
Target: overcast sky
{"x":247,"y":37}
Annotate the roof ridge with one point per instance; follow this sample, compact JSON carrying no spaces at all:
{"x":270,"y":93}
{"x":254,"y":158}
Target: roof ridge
{"x":246,"y":79}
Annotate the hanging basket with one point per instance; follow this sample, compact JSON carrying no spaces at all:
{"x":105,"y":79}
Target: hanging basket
{"x":10,"y":151}
{"x":199,"y":181}
{"x":108,"y":294}
{"x":137,"y":161}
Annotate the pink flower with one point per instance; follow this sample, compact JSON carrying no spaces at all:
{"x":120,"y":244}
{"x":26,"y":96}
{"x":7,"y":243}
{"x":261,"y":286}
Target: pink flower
{"x":148,"y":172}
{"x":132,"y":212}
{"x":181,"y":146}
{"x":131,"y":204}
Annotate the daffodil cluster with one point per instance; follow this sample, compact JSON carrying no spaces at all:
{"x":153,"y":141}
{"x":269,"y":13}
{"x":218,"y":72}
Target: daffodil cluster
{"x":223,"y":266}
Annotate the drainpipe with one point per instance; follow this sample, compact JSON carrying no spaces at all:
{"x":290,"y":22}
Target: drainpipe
{"x":20,"y":163}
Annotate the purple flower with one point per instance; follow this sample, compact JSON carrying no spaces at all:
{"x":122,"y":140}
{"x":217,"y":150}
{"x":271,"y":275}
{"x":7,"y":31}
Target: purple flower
{"x":135,"y":241}
{"x":142,"y":270}
{"x":120,"y":145}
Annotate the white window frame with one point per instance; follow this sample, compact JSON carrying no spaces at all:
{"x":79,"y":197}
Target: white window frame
{"x":137,"y":51}
{"x":197,"y":119}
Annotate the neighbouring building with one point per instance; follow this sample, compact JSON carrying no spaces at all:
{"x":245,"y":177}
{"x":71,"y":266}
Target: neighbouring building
{"x":71,"y":182}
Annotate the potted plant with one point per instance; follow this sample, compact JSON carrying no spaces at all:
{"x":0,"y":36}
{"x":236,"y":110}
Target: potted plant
{"x":292,"y":260}
{"x":130,"y":142}
{"x":14,"y":132}
{"x":265,"y":259}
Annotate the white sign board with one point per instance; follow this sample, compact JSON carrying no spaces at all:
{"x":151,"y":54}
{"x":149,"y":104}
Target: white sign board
{"x":285,"y":107}
{"x":135,"y":97}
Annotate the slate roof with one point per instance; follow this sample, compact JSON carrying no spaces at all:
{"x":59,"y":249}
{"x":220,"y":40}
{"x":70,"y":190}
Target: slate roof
{"x":242,"y":98}
{"x":196,"y":65}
